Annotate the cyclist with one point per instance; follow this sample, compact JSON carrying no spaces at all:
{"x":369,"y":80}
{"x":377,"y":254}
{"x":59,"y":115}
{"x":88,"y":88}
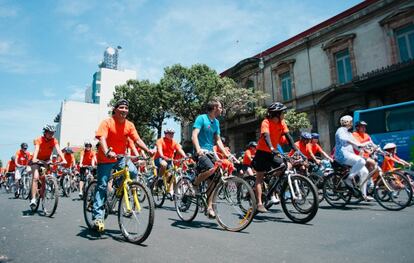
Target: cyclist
{"x":391,"y":158}
{"x":44,"y":146}
{"x":22,"y":159}
{"x":112,"y":135}
{"x":226,"y":164}
{"x":163,"y":159}
{"x":345,"y":144}
{"x":248,"y":157}
{"x":11,"y":169}
{"x":206,"y":133}
{"x":69,"y":157}
{"x":54,"y":166}
{"x":317,"y":149}
{"x":87,"y":158}
{"x":272,"y":128}
{"x":362,"y":137}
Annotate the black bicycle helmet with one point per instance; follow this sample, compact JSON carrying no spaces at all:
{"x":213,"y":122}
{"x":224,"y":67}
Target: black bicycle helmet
{"x":315,"y":135}
{"x":49,"y":128}
{"x":361,"y":123}
{"x":24,"y":145}
{"x":276,"y":107}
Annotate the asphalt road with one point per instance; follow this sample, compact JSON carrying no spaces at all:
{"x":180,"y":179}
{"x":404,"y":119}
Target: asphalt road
{"x":363,"y":233}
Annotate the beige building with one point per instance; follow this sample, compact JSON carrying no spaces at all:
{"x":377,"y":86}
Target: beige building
{"x":360,"y":58}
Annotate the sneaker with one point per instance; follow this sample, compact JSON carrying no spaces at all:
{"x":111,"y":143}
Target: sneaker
{"x":170,"y":196}
{"x":261,"y":209}
{"x":274,"y":200}
{"x":368,"y":198}
{"x":80,"y":195}
{"x":99,"y":225}
{"x":210,"y":213}
{"x":33,"y":203}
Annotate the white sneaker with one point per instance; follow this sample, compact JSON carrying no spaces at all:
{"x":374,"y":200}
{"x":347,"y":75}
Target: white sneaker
{"x":33,"y":203}
{"x":274,"y":200}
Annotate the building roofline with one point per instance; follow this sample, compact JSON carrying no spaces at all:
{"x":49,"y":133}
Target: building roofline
{"x":311,"y":30}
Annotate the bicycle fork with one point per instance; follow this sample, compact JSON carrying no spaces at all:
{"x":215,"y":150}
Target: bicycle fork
{"x":292,"y":190}
{"x":135,"y":196}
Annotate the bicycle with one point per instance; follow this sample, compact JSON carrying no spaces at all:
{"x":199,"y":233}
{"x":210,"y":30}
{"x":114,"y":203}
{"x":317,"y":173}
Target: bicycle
{"x":298,"y":195}
{"x":47,"y":190}
{"x":160,"y":185}
{"x":234,"y":203}
{"x":89,"y":178}
{"x":135,"y":204}
{"x":23,"y":188}
{"x":391,"y":189}
{"x":65,"y":180}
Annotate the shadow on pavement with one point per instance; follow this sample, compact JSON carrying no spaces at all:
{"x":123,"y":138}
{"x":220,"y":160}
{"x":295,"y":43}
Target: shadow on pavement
{"x":194,"y":224}
{"x":91,"y":234}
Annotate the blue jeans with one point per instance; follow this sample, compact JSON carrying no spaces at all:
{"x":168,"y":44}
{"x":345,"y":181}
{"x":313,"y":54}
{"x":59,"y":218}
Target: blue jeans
{"x":104,"y":174}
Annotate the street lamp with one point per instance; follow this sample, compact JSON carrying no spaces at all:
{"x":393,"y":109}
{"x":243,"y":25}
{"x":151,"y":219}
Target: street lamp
{"x":261,"y":63}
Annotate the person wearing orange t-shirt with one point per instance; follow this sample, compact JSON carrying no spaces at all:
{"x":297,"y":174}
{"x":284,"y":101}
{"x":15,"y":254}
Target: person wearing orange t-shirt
{"x":362,"y":137}
{"x":22,"y":159}
{"x":166,"y":148}
{"x":273,"y":127}
{"x":44,"y":147}
{"x":389,"y":161}
{"x":226,"y":163}
{"x":69,"y":157}
{"x":317,"y":149}
{"x":87,"y":161}
{"x":248,"y":158}
{"x":112,"y":135}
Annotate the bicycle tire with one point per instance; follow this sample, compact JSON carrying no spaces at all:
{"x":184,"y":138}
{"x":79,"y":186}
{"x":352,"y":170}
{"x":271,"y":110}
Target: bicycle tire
{"x":27,"y":189}
{"x":50,"y":197}
{"x":145,"y":213}
{"x":186,"y":205}
{"x":66,"y":186}
{"x":158,"y":192}
{"x":400,"y":188}
{"x":226,"y":204}
{"x":88,"y":200}
{"x":307,"y":202}
{"x":318,"y":182}
{"x":337,"y":197}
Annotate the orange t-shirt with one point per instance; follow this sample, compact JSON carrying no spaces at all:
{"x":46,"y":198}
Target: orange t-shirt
{"x":23,"y":157}
{"x":388,"y":163}
{"x":116,"y":135}
{"x":248,"y":156}
{"x":275,"y":129}
{"x":316,"y":148}
{"x":88,"y":157}
{"x":12,"y":166}
{"x":131,"y":146}
{"x":69,"y":157}
{"x":45,"y":147}
{"x":168,"y":147}
{"x":361,"y":138}
{"x":219,"y":153}
{"x":304,"y":148}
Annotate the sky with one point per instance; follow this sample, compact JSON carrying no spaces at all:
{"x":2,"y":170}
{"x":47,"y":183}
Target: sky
{"x":49,"y":49}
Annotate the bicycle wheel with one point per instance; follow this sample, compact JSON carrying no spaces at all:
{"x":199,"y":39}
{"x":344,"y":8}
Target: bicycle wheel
{"x":136,"y":222}
{"x":66,"y":186}
{"x":393,"y":191}
{"x":318,"y":182}
{"x":50,"y":197}
{"x":158,"y":192}
{"x":185,"y":203}
{"x":300,"y":200}
{"x":243,"y":194}
{"x":232,"y":212}
{"x":27,"y":185}
{"x":88,"y":200}
{"x":335,"y":191}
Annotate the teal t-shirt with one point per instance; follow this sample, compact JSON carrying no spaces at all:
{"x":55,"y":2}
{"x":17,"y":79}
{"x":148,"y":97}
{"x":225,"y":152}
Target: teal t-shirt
{"x":208,"y":130}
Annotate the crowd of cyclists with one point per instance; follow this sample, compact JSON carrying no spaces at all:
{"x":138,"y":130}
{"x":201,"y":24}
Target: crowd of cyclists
{"x":118,"y":137}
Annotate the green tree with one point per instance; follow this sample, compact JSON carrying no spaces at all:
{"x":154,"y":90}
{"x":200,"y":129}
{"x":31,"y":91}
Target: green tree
{"x":192,"y":88}
{"x":297,"y":121}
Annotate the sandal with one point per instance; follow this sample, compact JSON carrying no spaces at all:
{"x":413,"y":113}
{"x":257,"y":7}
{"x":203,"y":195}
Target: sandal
{"x":261,"y":209}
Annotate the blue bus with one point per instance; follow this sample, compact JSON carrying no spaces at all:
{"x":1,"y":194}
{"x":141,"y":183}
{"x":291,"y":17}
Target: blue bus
{"x":391,"y":123}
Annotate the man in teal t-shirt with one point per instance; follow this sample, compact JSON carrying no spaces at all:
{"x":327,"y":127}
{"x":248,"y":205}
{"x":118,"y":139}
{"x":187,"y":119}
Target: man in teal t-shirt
{"x":206,"y":133}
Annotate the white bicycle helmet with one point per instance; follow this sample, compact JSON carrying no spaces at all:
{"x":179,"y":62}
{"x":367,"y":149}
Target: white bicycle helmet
{"x":345,"y":120}
{"x":389,"y":146}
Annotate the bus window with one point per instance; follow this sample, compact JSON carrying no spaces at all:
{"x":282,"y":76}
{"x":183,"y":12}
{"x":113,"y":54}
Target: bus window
{"x":400,"y":119}
{"x":375,"y":120}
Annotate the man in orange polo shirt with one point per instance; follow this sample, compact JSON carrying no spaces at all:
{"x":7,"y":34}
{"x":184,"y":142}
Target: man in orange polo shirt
{"x":44,"y":146}
{"x":267,"y":157}
{"x":112,"y":135}
{"x":362,"y":137}
{"x":22,"y":159}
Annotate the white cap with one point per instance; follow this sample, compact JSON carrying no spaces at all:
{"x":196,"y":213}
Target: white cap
{"x":389,"y":145}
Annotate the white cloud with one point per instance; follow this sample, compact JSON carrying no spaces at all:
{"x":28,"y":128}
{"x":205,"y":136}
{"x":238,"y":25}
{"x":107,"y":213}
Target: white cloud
{"x":48,"y":93}
{"x":78,"y":94}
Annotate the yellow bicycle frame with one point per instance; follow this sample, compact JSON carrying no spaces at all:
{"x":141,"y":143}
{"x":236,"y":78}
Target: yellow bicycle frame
{"x":123,"y":187}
